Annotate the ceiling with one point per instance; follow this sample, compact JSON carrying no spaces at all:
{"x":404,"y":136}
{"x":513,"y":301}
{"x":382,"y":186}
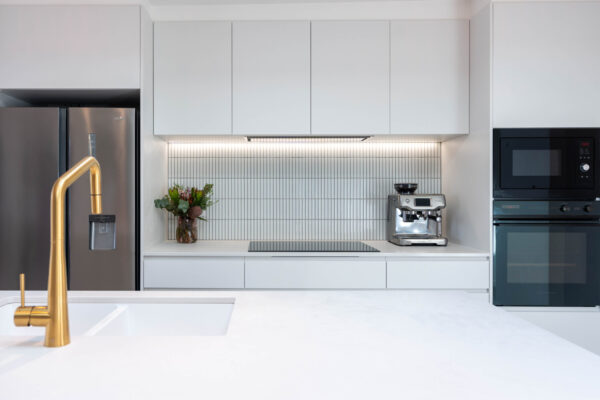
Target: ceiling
{"x":222,"y":2}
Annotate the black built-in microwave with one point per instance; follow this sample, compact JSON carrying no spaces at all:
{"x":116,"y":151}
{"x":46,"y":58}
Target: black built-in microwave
{"x":546,"y":163}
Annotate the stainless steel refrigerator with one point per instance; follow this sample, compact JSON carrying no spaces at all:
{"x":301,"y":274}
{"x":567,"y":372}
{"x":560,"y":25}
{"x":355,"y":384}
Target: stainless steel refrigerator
{"x":36,"y":146}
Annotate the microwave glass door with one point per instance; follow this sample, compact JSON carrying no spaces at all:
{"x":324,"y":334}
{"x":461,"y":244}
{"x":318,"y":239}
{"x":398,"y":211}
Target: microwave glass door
{"x":541,"y":163}
{"x":546,"y":264}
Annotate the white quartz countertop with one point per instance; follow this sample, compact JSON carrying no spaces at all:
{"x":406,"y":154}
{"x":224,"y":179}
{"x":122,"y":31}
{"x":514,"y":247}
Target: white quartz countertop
{"x":313,"y":345}
{"x":224,"y":248}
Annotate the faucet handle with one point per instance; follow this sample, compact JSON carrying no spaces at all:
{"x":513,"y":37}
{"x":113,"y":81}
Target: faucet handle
{"x":22,"y":285}
{"x":23,"y":314}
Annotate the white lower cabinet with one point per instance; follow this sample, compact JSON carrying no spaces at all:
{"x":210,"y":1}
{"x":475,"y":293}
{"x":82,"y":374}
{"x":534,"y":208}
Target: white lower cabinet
{"x":193,"y":273}
{"x":438,"y":274}
{"x":314,"y":273}
{"x":196,"y":272}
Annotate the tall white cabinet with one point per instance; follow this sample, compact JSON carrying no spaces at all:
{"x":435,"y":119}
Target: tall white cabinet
{"x":546,"y":64}
{"x":192,"y":78}
{"x":69,"y":47}
{"x":271,"y":77}
{"x":350,"y":77}
{"x":429,"y":88}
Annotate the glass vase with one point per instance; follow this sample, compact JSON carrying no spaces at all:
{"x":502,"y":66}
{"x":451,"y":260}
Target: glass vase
{"x":187,"y":230}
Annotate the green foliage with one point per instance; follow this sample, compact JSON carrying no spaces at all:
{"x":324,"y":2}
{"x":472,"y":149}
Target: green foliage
{"x":183,"y":206}
{"x":180,"y":200}
{"x":174,"y":193}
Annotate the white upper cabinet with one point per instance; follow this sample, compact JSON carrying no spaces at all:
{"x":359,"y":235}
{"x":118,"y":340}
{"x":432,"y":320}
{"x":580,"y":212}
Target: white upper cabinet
{"x":69,"y":47}
{"x":429,"y":77}
{"x":192,"y":78}
{"x":350,"y":77}
{"x":271,"y":78}
{"x":319,"y":78}
{"x":546,"y":64}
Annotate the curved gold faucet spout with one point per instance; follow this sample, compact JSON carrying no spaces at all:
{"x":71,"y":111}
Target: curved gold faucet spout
{"x":55,"y":316}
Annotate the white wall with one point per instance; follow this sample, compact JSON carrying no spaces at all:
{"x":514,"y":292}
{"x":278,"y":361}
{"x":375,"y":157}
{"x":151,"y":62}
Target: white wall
{"x":310,"y":9}
{"x":352,"y":10}
{"x":466,"y":166}
{"x":153,"y":163}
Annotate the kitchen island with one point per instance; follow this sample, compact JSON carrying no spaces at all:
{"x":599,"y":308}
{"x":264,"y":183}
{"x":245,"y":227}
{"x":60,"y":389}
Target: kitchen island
{"x":309,"y":345}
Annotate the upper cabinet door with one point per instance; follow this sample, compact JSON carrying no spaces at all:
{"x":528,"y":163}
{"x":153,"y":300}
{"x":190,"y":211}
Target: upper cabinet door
{"x":271,"y":78}
{"x":546,"y":64}
{"x":192,"y":78}
{"x":430,"y":77}
{"x":350,"y":77}
{"x":69,"y":47}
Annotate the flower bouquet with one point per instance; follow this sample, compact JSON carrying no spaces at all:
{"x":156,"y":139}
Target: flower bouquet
{"x":187,"y":204}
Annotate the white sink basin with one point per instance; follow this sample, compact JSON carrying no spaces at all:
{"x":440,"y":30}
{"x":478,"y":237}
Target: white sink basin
{"x":82,"y":317}
{"x":149,"y":317}
{"x":166,"y":320}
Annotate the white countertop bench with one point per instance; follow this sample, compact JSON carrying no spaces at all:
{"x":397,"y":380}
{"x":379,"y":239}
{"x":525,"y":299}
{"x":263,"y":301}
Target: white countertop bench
{"x":231,"y":248}
{"x":312,"y":345}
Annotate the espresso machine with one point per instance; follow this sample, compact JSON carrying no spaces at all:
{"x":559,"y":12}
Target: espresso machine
{"x":415,"y":219}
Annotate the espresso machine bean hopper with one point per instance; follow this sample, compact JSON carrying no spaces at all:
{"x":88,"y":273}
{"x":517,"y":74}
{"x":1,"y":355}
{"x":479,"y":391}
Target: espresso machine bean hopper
{"x":415,"y":219}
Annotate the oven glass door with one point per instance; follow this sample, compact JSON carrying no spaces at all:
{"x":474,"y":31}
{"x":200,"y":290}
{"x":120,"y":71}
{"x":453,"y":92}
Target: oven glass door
{"x":542,"y":163}
{"x":546,"y":264}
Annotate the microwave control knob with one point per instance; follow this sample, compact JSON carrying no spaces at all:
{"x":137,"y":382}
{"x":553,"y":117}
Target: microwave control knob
{"x":584,"y":167}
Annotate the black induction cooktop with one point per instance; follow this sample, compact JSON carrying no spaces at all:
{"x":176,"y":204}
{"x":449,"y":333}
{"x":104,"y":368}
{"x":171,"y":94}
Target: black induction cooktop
{"x":311,"y":246}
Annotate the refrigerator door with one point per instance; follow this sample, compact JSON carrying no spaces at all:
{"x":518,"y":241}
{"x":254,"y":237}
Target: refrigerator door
{"x":113,"y":132}
{"x":29,"y":165}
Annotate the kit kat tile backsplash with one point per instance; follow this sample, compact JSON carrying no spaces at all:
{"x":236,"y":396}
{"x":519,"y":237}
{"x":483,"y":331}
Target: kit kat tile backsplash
{"x":301,"y":191}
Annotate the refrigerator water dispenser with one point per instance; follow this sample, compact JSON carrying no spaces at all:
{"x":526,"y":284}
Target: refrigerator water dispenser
{"x":103,"y":232}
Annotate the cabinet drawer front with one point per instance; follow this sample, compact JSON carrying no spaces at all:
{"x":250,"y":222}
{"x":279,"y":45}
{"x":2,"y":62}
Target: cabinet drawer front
{"x":282,"y":273}
{"x":436,"y":274}
{"x":193,"y":273}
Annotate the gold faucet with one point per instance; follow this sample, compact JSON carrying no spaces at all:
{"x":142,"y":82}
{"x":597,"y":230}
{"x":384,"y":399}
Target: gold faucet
{"x":55,"y":315}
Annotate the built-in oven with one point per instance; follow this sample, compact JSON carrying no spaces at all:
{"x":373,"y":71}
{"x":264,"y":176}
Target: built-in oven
{"x":546,"y":163}
{"x":546,"y":253}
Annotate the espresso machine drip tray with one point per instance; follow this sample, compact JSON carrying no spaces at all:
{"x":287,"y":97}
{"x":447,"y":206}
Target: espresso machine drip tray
{"x":311,"y":247}
{"x":422,"y":240}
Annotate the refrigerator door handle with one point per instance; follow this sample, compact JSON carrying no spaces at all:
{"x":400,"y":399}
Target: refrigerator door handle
{"x":92,"y":144}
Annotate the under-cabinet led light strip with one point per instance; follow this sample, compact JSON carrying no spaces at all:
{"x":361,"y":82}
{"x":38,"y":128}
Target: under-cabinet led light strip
{"x":306,"y":139}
